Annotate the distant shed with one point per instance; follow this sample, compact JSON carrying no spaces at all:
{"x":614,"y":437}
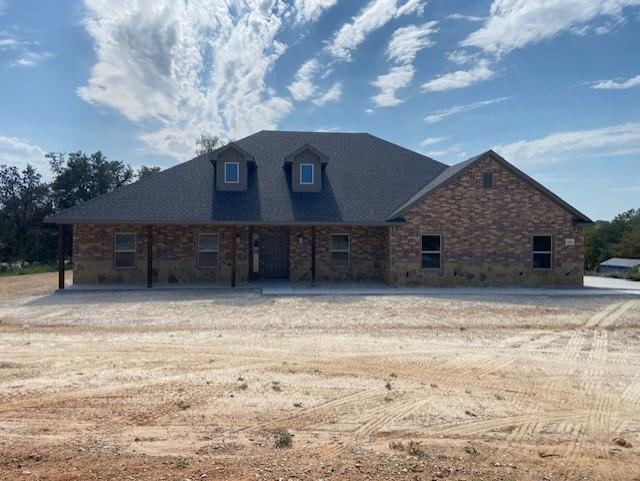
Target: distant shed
{"x":619,"y":264}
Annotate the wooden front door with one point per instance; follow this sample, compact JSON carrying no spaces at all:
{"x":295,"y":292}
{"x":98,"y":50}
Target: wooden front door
{"x":275,"y":251}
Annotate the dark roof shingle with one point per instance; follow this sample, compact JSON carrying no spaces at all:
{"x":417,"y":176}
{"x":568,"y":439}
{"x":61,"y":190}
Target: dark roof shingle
{"x":365,"y":180}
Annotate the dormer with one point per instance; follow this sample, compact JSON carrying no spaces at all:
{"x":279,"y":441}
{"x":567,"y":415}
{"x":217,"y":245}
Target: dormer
{"x":306,"y":164}
{"x":232,"y":164}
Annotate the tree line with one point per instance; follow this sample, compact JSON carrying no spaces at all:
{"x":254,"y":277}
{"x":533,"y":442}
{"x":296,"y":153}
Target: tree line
{"x":26,"y":199}
{"x":618,"y":238}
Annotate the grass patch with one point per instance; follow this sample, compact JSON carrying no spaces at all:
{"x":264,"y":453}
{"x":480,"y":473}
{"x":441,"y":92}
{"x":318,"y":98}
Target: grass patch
{"x":34,"y":269}
{"x":284,"y":439}
{"x":275,"y":385}
{"x":181,"y":463}
{"x":183,"y":405}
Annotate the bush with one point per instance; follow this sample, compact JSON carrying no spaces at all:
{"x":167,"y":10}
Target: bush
{"x":284,"y":439}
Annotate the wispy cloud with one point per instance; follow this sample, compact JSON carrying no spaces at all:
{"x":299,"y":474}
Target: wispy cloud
{"x":373,"y":16}
{"x":470,"y":18}
{"x":439,"y":115}
{"x":406,"y":42}
{"x":303,"y":86}
{"x":310,"y":10}
{"x":460,"y":78}
{"x":397,"y":78}
{"x":621,"y":139}
{"x":191,"y":67}
{"x":332,"y":95}
{"x":404,"y":45}
{"x":513,"y":24}
{"x":20,"y":152}
{"x":617,"y":84}
{"x":431,"y":141}
{"x":31,"y":59}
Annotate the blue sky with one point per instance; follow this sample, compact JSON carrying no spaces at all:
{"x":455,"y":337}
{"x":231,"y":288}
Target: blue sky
{"x":554,"y":86}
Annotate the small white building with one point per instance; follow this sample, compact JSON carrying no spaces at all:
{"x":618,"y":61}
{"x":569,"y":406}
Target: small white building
{"x":619,"y":264}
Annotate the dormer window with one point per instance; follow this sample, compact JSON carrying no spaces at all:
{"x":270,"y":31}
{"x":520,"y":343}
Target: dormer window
{"x":306,"y":174}
{"x":232,"y":166}
{"x":231,"y":172}
{"x":306,"y":166}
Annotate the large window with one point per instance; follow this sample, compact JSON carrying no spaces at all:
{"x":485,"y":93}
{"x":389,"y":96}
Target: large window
{"x":542,"y":252}
{"x":340,"y":250}
{"x":124,"y":250}
{"x":306,"y":173}
{"x":231,"y":172}
{"x":208,"y":250}
{"x":431,"y":252}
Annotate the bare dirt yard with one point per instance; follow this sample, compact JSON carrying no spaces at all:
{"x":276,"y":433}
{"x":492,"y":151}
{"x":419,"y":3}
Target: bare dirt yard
{"x":187,"y":385}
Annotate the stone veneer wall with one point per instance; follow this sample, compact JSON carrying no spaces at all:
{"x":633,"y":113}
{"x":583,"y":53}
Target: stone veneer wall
{"x":174,"y":254}
{"x":486,"y":235}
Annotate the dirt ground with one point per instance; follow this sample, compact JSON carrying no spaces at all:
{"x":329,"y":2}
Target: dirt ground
{"x":195,"y":386}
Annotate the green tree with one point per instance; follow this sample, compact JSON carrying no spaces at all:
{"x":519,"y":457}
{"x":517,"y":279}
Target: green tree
{"x":24,"y":202}
{"x":145,"y":171}
{"x":620,"y":237}
{"x":81,"y":177}
{"x":207,"y":144}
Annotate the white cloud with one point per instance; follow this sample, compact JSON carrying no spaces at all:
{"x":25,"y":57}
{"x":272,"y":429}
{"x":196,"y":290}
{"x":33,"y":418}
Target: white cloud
{"x":374,"y":15}
{"x":470,"y":18}
{"x":431,"y":141}
{"x":513,"y":24}
{"x":460,"y":78}
{"x":327,"y":129}
{"x":406,"y":42}
{"x":461,"y":57}
{"x":303,"y":87}
{"x":617,"y":85}
{"x":310,"y":10}
{"x":368,"y":111}
{"x":621,"y":139}
{"x":399,"y":77}
{"x":331,"y":95}
{"x":19,"y":152}
{"x":9,"y":43}
{"x":439,"y":115}
{"x":31,"y":59}
{"x":189,"y":67}
{"x":404,"y":45}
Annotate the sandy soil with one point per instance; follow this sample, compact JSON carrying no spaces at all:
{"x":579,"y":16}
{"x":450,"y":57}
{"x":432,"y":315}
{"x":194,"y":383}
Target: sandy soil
{"x":179,"y":385}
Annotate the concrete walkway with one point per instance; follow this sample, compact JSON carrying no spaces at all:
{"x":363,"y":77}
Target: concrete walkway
{"x":593,"y":286}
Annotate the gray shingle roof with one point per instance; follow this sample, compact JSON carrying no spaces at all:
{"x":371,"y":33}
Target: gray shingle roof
{"x":365,"y":180}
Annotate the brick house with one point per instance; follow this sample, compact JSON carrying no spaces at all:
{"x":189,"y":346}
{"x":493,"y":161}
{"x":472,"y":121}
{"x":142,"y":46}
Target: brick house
{"x":324,"y":207}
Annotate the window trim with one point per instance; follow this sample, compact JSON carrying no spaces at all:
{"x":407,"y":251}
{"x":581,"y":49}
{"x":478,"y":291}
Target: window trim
{"x":224,"y":168}
{"x":439,"y":252}
{"x":313,"y":173}
{"x":550,"y":252}
{"x":198,"y":251}
{"x":332,"y":250}
{"x":487,"y":175}
{"x":135,"y":250}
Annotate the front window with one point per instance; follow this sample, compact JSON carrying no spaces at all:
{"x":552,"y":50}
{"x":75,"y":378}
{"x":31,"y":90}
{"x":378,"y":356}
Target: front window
{"x":487,"y":180}
{"x":340,"y":250}
{"x":431,"y":251}
{"x":208,"y":250}
{"x":542,"y":251}
{"x":306,"y":173}
{"x":125,"y":250}
{"x":231,"y":172}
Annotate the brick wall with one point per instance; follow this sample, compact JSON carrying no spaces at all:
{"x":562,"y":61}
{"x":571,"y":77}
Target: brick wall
{"x":174,"y":254}
{"x":486,"y":234}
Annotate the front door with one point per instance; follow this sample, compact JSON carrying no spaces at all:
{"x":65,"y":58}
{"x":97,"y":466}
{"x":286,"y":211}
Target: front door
{"x":275,"y":248}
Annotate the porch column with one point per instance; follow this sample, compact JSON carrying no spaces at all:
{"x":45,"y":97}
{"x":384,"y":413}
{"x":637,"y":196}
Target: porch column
{"x":61,"y":256}
{"x":234,"y":235}
{"x":149,"y":256}
{"x":313,"y":255}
